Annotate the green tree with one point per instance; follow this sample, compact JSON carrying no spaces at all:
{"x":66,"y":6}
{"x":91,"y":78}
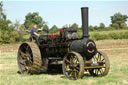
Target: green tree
{"x":7,"y":32}
{"x":96,"y":28}
{"x":91,"y":28}
{"x":46,"y":28}
{"x":123,"y":25}
{"x":33,"y":18}
{"x":118,"y":18}
{"x":2,"y":15}
{"x":22,"y":27}
{"x":65,"y":26}
{"x":102,"y":26}
{"x":54,"y":29}
{"x":115,"y":25}
{"x":4,"y":23}
{"x":17,"y":25}
{"x":75,"y":26}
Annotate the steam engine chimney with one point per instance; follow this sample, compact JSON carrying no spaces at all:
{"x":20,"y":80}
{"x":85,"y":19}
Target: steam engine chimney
{"x":84,"y":13}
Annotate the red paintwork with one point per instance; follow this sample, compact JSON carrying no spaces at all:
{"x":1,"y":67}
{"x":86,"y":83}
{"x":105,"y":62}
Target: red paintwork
{"x":61,"y":30}
{"x":53,"y":36}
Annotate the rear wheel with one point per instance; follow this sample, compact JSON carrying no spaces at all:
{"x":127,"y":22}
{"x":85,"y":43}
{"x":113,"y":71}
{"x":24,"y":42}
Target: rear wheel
{"x":73,"y":66}
{"x":100,"y":56}
{"x":29,"y":58}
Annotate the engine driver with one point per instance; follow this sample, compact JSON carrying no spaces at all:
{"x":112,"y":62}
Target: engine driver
{"x":33,"y":32}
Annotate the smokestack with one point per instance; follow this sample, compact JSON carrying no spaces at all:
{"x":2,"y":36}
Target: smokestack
{"x":84,"y":13}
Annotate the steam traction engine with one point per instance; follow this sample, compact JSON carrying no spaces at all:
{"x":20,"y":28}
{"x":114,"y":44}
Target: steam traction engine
{"x":76,"y":55}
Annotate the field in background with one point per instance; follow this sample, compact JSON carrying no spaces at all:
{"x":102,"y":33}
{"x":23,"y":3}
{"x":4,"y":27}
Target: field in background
{"x":117,"y":51}
{"x":106,"y":32}
{"x":107,"y":35}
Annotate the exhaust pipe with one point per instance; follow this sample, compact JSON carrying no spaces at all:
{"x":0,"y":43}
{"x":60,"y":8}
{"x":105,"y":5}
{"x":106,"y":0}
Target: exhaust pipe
{"x":84,"y":13}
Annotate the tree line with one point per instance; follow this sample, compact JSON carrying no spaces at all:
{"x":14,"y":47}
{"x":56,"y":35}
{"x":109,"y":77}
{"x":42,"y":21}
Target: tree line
{"x":118,"y":21}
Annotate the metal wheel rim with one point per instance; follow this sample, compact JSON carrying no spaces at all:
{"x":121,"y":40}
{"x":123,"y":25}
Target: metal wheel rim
{"x":72,"y":67}
{"x":100,"y":71}
{"x":25,"y":59}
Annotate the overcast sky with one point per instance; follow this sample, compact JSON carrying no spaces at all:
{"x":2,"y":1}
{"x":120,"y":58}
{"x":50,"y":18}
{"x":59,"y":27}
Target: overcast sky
{"x":65,"y":12}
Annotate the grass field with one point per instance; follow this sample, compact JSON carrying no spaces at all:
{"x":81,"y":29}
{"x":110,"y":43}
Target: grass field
{"x":106,"y":32}
{"x":103,"y":32}
{"x":117,"y":51}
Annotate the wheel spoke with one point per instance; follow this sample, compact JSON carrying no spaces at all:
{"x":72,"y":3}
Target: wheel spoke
{"x":67,"y":61}
{"x":102,"y":59}
{"x":73,"y":66}
{"x":96,"y":71}
{"x":67,"y":69}
{"x":24,"y":69}
{"x":27,"y":48}
{"x":23,"y":54}
{"x":76,"y":70}
{"x":100,"y":71}
{"x":76,"y":61}
{"x":30,"y":62}
{"x":71,"y":58}
{"x":22,"y":62}
{"x":99,"y":57}
{"x":75,"y":76}
{"x":71,"y":73}
{"x":94,"y":58}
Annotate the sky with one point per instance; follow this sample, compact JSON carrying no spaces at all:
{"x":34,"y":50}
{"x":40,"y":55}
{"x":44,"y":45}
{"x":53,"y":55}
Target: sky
{"x":65,"y":12}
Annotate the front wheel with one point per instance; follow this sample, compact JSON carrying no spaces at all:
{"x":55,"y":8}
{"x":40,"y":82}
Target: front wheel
{"x":100,"y":56}
{"x":73,"y":66}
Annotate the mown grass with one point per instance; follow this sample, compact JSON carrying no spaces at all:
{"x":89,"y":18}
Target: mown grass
{"x":118,"y":74}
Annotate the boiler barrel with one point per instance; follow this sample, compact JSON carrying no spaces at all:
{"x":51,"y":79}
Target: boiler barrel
{"x":86,"y":47}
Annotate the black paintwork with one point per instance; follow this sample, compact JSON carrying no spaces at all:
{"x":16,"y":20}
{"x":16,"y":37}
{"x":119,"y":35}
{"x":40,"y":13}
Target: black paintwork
{"x":57,"y":47}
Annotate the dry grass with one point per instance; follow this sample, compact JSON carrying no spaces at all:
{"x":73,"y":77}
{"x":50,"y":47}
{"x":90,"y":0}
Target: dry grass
{"x":117,"y":51}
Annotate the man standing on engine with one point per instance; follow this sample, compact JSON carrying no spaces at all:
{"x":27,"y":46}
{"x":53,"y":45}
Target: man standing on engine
{"x":33,"y":31}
